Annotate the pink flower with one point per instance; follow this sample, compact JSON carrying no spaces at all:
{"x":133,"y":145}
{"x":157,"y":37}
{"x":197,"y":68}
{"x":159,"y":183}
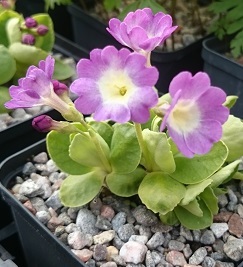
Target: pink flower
{"x":115,"y":85}
{"x":36,"y":89}
{"x":196,"y":114}
{"x":142,"y":30}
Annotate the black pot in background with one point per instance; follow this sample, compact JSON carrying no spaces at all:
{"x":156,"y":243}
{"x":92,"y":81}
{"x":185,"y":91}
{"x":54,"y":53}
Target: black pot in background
{"x":41,"y":248}
{"x":60,"y":17}
{"x":91,"y":33}
{"x":223,"y":72}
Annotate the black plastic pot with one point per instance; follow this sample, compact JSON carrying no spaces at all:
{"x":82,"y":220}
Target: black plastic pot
{"x":22,"y":134}
{"x":59,"y":15}
{"x":40,"y":246}
{"x":223,"y":72}
{"x":91,"y":33}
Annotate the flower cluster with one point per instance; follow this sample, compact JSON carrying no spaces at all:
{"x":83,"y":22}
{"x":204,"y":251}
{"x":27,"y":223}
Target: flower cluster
{"x":120,"y":134}
{"x":23,"y":43}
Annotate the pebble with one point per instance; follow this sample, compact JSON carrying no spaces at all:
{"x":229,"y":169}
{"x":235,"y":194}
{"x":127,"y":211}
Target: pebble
{"x":219,"y":229}
{"x":133,"y":252}
{"x":104,"y":237}
{"x":83,"y":254}
{"x":176,"y":258}
{"x":108,"y":232}
{"x":233,"y":248}
{"x":126,"y":231}
{"x":198,"y":256}
{"x":86,"y":220}
{"x":30,"y":189}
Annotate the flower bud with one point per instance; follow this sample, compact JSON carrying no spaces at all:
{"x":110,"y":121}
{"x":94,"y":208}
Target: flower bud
{"x":42,"y":30}
{"x":43,"y":123}
{"x":30,"y":22}
{"x":28,"y":39}
{"x":59,"y":88}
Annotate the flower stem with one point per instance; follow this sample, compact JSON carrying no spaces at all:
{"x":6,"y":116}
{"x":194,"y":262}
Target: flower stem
{"x":100,"y":150}
{"x":143,"y":145}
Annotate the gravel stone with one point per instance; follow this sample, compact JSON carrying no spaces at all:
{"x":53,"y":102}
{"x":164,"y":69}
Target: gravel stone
{"x":176,"y":245}
{"x":104,"y":237}
{"x":118,"y":220}
{"x":144,"y":216}
{"x":156,"y":240}
{"x":208,"y":262}
{"x":126,"y":231}
{"x":100,"y":252}
{"x":233,"y":248}
{"x":30,"y":189}
{"x":54,"y":201}
{"x":86,"y":220}
{"x":219,"y":229}
{"x":133,"y":252}
{"x":198,"y":256}
{"x":207,"y":238}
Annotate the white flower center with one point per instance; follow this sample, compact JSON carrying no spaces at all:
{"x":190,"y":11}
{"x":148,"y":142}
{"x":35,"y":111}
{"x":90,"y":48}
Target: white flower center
{"x":185,"y":116}
{"x":116,"y":85}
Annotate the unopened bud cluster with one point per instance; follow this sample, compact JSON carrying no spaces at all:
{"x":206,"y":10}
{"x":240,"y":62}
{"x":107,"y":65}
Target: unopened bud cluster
{"x":31,"y":29}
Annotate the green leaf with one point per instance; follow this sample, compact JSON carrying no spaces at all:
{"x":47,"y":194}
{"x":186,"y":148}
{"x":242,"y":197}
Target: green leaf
{"x":224,"y":174}
{"x":84,"y":151}
{"x":78,"y":190}
{"x":26,"y":54}
{"x":194,"y":208}
{"x":192,"y":221}
{"x":169,"y":218}
{"x":58,"y":149}
{"x":193,"y":190}
{"x":104,"y":130}
{"x":230,"y":101}
{"x":125,"y":150}
{"x":4,"y":97}
{"x":199,"y":168}
{"x":62,"y":70}
{"x":8,"y":65}
{"x":4,"y":18}
{"x":159,"y":151}
{"x":233,"y":138}
{"x":109,"y":5}
{"x":210,"y":200}
{"x":13,"y":30}
{"x":45,"y":42}
{"x":160,"y":193}
{"x":125,"y":185}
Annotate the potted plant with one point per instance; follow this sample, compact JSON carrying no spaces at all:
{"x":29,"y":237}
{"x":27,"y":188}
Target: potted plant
{"x":173,"y":152}
{"x":89,"y":30}
{"x":16,"y":56}
{"x":222,"y":53}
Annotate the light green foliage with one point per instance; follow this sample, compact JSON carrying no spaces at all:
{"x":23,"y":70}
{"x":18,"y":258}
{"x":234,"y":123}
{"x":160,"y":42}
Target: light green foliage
{"x":16,"y":57}
{"x":229,"y":23}
{"x":233,"y":138}
{"x":181,"y":190}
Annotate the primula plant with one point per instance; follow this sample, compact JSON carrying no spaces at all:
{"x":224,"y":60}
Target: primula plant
{"x":24,"y":42}
{"x":173,"y":151}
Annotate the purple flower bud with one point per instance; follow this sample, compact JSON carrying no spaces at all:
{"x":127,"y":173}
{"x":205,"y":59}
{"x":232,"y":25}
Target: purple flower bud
{"x":28,"y":39}
{"x":59,"y":88}
{"x":42,"y":30}
{"x":30,"y":22}
{"x":42,"y":123}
